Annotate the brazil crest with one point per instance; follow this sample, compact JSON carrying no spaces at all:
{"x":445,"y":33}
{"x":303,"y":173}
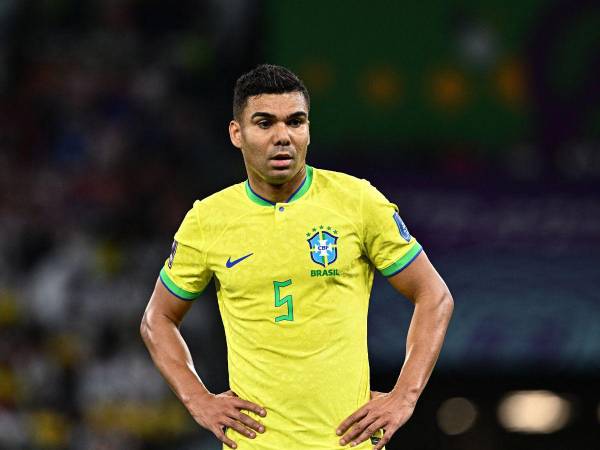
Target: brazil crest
{"x":323,"y":248}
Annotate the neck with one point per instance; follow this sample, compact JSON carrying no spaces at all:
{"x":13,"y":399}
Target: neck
{"x":277,"y":193}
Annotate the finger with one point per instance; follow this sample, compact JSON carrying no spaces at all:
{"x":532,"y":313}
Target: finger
{"x":375,"y":394}
{"x":229,"y":393}
{"x":357,"y":429}
{"x":249,"y":406}
{"x":341,"y":429}
{"x":237,"y":426}
{"x":369,"y":431}
{"x":220,"y":434}
{"x":388,"y":432}
{"x":250,"y":422}
{"x":384,"y":440}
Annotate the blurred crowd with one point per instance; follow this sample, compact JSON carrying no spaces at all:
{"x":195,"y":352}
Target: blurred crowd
{"x":108,"y":117}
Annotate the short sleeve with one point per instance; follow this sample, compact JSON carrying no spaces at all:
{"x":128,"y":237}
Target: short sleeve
{"x":387,"y":241}
{"x":185,"y":273}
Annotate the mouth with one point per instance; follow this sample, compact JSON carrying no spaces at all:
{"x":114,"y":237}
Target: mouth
{"x":282,"y":157}
{"x":281,"y":160}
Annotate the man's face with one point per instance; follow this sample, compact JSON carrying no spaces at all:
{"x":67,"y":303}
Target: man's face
{"x":273,"y":135}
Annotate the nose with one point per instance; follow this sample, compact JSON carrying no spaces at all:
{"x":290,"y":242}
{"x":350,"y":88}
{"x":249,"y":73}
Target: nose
{"x":281,"y":135}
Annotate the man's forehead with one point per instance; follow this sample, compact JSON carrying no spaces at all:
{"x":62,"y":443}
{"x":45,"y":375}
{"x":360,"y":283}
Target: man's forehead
{"x":277,"y":104}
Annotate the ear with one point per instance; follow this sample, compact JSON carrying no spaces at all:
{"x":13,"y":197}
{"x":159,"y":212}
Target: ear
{"x":235,"y":134}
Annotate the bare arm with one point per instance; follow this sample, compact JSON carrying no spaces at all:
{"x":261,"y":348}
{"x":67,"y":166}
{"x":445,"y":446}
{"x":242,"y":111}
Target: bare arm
{"x":423,"y":286}
{"x":433,"y":308}
{"x":160,"y":331}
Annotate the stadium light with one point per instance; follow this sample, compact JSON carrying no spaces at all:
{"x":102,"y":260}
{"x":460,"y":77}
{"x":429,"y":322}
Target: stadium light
{"x":534,"y":412}
{"x":456,"y":415}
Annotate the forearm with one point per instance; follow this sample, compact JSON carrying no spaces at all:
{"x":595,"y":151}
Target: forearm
{"x":172,"y":357}
{"x":423,"y":344}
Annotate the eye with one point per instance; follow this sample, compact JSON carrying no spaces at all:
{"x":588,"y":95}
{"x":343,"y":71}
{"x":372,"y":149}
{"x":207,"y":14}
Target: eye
{"x":295,"y":123}
{"x":264,"y":124}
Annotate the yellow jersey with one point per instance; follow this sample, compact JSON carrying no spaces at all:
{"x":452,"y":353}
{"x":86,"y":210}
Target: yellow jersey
{"x":293,"y":282}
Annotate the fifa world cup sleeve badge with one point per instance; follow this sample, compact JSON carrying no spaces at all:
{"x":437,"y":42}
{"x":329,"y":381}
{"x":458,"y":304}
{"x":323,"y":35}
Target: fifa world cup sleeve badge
{"x":172,"y":256}
{"x":401,"y":227}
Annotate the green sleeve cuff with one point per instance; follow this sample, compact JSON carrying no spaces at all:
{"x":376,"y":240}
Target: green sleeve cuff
{"x":403,"y":262}
{"x":176,"y":290}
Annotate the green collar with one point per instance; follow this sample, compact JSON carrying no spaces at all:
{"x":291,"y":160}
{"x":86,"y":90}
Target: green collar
{"x":295,"y":196}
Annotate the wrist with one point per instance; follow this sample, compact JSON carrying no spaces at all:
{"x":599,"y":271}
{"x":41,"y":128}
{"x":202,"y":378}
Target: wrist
{"x":193,"y":399}
{"x":405,"y":396}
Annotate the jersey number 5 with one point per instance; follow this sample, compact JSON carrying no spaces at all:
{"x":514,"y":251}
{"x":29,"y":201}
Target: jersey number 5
{"x":282,"y":301}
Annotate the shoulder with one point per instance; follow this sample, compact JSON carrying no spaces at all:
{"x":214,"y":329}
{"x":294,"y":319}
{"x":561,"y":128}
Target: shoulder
{"x":219,"y":207}
{"x":339,"y":183}
{"x":337,"y":177}
{"x":349,"y":185}
{"x":227,"y":198}
{"x":350,"y":194}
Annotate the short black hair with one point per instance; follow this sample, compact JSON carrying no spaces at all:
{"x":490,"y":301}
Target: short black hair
{"x":266,"y":79}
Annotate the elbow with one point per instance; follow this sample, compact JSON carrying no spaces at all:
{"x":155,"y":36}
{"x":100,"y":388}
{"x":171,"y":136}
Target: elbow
{"x":437,"y":301}
{"x":446,"y":303}
{"x":145,"y":329}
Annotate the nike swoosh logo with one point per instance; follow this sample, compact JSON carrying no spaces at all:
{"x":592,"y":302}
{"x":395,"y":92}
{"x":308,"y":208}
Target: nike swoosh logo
{"x":229,"y":264}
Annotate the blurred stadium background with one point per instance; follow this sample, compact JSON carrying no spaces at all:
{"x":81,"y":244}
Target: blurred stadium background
{"x":480,"y":119}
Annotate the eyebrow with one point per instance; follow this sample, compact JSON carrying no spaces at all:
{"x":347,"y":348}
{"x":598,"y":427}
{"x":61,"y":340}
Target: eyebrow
{"x":273,"y":116}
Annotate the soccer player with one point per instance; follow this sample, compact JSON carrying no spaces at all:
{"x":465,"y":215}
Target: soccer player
{"x":292,"y":251}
